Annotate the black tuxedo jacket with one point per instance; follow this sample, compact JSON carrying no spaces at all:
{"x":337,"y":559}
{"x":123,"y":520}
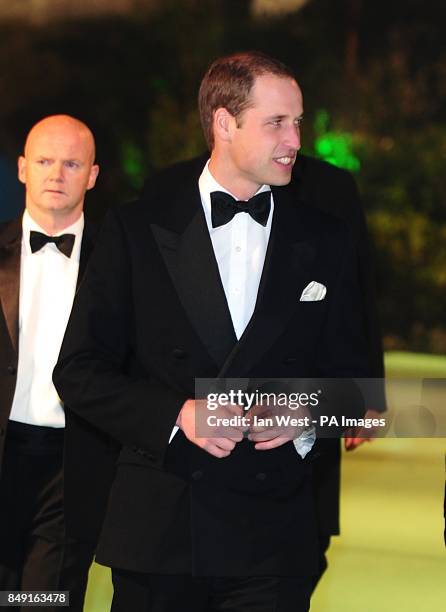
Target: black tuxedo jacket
{"x":86,"y":473}
{"x":150,"y":317}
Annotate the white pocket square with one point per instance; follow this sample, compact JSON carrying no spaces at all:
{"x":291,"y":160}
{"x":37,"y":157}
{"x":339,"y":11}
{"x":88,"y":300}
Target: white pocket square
{"x":313,"y":292}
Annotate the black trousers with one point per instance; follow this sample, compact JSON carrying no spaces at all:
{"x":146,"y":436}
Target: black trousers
{"x":155,"y":593}
{"x":34,"y":551}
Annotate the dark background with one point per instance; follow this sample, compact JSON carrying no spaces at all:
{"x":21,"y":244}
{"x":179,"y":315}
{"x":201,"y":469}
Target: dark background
{"x":374,"y":80}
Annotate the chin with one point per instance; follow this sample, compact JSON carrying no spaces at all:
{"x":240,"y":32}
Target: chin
{"x":280,"y":181}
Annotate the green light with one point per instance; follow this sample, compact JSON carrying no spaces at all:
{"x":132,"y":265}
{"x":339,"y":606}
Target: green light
{"x":323,"y":146}
{"x":133,"y":164}
{"x":321,"y":121}
{"x":334,"y":147}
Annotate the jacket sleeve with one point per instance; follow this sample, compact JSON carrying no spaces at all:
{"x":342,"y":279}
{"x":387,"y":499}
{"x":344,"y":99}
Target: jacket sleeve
{"x":97,"y":374}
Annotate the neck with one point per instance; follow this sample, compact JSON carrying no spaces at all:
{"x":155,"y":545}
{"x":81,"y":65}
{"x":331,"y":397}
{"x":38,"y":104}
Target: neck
{"x":51,"y":222}
{"x":223,"y":172}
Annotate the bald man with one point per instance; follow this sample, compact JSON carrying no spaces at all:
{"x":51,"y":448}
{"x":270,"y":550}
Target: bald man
{"x":42,"y":256}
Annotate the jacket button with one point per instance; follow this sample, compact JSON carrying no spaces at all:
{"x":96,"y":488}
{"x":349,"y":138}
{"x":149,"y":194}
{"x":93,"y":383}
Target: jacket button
{"x":179,"y":353}
{"x":261,"y":476}
{"x":197,"y":475}
{"x":12,"y":370}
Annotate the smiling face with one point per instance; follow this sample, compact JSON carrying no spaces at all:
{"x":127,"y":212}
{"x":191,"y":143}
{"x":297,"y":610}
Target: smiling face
{"x":57,"y":169}
{"x":260,"y":146}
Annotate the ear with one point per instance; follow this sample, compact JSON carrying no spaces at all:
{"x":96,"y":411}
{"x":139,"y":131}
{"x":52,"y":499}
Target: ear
{"x":93,"y":176}
{"x":21,"y":166}
{"x":223,"y":125}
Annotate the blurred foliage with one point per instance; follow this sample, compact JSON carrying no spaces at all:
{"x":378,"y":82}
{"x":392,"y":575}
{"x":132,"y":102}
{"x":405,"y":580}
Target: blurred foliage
{"x":377,"y":69}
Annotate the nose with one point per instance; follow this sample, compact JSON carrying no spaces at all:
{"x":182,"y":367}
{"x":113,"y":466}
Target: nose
{"x":56,"y":173}
{"x":293,"y":137}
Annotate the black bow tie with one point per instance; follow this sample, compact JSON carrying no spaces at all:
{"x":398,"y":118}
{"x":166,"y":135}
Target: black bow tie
{"x":225,"y":207}
{"x":64,"y":243}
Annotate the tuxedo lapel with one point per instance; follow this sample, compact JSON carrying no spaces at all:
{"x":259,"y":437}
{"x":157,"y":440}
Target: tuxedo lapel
{"x":10,"y":251}
{"x":86,"y":249}
{"x":10,"y":248}
{"x":189,"y":258}
{"x":288,"y":261}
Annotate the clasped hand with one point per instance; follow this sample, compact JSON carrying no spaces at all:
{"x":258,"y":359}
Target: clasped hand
{"x":273,"y":427}
{"x":218,"y":432}
{"x":215,"y":436}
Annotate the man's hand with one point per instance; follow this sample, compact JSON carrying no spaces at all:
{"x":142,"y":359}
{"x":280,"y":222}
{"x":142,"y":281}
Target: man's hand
{"x":218,"y":440}
{"x":355,"y":436}
{"x":267,"y":432}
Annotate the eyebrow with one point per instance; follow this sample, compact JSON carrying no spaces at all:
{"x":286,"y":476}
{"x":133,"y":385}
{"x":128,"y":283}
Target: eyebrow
{"x":68,"y":159}
{"x":275,"y":117}
{"x":278,"y":117}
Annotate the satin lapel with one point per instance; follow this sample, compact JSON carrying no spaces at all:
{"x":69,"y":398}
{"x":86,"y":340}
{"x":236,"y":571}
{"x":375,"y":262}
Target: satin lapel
{"x":288,"y":261}
{"x":86,"y":249}
{"x":10,"y":248}
{"x":193,"y":269}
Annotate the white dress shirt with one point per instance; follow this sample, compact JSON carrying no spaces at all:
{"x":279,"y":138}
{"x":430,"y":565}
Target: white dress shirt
{"x":47,"y":286}
{"x":240,"y":249}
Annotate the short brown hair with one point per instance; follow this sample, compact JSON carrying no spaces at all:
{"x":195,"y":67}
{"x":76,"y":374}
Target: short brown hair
{"x":228,"y":83}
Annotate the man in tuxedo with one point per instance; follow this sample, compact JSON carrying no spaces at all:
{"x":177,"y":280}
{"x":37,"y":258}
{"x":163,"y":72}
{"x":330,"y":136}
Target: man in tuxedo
{"x":216,"y":273}
{"x":334,"y":190}
{"x":42,"y":257}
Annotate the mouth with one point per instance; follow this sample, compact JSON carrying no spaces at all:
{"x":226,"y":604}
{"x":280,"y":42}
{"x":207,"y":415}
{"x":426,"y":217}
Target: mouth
{"x":57,"y":191}
{"x":286,"y":161}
